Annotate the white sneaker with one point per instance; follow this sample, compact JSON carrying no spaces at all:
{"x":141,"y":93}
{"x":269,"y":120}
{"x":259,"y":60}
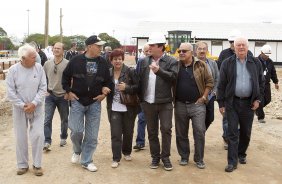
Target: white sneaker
{"x":127,"y":157}
{"x":90,"y":167}
{"x":75,"y":158}
{"x":47,"y":147}
{"x":115,"y":164}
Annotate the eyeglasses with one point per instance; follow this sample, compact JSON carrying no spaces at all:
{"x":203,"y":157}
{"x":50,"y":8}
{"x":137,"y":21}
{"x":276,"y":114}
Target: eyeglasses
{"x":183,"y":51}
{"x":55,"y":69}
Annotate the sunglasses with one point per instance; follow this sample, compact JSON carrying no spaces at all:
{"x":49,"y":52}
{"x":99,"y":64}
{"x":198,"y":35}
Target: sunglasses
{"x":55,"y":69}
{"x":183,"y":51}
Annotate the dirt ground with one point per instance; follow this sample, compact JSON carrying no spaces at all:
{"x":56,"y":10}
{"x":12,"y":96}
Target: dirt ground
{"x":264,"y":160}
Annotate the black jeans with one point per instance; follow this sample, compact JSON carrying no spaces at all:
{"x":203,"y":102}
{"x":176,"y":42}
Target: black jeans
{"x":266,"y":100}
{"x":210,"y":112}
{"x":122,"y":127}
{"x":163,"y":112}
{"x":239,"y":112}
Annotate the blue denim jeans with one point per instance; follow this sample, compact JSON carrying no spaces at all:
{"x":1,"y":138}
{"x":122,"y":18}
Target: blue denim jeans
{"x":140,"y":139}
{"x":51,"y":102}
{"x":84,"y":144}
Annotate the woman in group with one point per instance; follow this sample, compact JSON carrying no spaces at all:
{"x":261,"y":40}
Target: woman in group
{"x":121,"y":117}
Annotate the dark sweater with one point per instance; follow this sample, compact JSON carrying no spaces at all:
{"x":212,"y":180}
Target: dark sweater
{"x":74,"y":79}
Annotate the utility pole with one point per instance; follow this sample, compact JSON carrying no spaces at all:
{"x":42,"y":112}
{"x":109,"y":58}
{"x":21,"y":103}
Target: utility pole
{"x":61,"y":27}
{"x":27,"y":22}
{"x":46,"y":32}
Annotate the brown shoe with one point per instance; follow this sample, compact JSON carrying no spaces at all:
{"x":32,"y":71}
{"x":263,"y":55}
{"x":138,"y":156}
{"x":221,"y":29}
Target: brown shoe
{"x":37,"y":171}
{"x":22,"y":171}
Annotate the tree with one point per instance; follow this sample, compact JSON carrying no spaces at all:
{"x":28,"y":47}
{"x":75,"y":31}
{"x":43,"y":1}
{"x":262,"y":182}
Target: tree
{"x":5,"y":42}
{"x":111,"y":41}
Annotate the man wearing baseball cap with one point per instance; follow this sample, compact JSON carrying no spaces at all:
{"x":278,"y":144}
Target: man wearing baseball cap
{"x":269,"y":74}
{"x":86,"y":80}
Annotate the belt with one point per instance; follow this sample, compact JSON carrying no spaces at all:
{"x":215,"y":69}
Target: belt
{"x":242,"y":98}
{"x":186,"y":102}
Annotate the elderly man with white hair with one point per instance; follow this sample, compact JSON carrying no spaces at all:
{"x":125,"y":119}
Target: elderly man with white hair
{"x":240,"y":91}
{"x":26,"y":89}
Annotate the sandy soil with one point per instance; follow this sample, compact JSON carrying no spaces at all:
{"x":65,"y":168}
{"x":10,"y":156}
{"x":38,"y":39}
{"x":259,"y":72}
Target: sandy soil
{"x":264,"y":158}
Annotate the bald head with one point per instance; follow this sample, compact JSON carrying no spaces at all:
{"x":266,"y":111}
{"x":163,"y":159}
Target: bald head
{"x":146,"y":50}
{"x":186,"y":46}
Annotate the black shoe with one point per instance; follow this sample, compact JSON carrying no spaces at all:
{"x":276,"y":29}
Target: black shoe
{"x":167,"y":164}
{"x":155,"y":163}
{"x":242,"y":160}
{"x":138,"y":147}
{"x":201,"y":164}
{"x":183,"y":162}
{"x":230,"y":168}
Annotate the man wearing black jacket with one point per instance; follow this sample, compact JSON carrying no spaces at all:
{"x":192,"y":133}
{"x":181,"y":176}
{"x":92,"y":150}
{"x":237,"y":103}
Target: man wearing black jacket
{"x":84,"y":79}
{"x":269,"y":74}
{"x":240,"y":91}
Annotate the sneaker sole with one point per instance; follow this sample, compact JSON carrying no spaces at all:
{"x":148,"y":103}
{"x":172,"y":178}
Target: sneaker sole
{"x":168,"y":168}
{"x":88,"y":169}
{"x":154,"y":167}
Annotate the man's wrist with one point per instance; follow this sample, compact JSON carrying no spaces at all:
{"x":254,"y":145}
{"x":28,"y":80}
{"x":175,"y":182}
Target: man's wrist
{"x":205,"y":98}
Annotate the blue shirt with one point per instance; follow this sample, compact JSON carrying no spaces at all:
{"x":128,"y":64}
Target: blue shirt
{"x":243,"y":87}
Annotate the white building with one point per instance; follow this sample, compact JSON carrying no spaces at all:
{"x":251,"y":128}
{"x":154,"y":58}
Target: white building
{"x":216,"y":34}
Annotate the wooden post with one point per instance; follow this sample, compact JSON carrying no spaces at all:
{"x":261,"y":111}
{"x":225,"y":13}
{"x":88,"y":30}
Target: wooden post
{"x":46,"y":32}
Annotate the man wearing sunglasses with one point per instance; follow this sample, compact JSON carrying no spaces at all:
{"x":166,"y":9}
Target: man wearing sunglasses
{"x":157,"y":75}
{"x":193,"y":85}
{"x":56,"y":96}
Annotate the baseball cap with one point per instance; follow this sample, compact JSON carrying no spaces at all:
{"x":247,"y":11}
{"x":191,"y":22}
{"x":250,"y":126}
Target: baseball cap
{"x":94,"y":39}
{"x":266,"y":49}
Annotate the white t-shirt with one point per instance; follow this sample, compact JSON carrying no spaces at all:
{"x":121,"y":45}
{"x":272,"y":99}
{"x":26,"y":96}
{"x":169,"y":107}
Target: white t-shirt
{"x":116,"y":105}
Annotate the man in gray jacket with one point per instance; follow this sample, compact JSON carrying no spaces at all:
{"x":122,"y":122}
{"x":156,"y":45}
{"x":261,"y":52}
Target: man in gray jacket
{"x":157,"y":75}
{"x":201,"y":50}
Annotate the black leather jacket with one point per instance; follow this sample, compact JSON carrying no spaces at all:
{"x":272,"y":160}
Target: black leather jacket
{"x":165,"y":78}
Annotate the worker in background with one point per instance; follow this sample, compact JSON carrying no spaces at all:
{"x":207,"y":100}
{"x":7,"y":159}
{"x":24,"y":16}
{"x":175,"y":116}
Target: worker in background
{"x":269,"y":72}
{"x":72,"y":52}
{"x":141,"y":123}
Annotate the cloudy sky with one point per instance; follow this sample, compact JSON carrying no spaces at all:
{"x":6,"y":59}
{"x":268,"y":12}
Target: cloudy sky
{"x":119,"y":18}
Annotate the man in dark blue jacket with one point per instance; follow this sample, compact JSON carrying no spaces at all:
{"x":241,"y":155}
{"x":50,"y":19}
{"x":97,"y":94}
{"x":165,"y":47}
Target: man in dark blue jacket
{"x":240,"y":91}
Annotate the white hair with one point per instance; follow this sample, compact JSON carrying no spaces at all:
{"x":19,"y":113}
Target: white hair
{"x":25,"y":50}
{"x":241,"y":38}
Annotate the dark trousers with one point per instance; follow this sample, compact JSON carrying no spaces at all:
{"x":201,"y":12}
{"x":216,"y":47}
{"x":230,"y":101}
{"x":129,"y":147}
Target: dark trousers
{"x":122,"y":127}
{"x":266,"y":100}
{"x":163,"y":112}
{"x":239,"y":112}
{"x":183,"y":114}
{"x":210,"y":112}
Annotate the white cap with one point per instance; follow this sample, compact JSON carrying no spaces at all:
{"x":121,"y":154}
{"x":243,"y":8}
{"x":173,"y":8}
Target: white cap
{"x":266,"y":49}
{"x":233,"y":34}
{"x":157,"y":37}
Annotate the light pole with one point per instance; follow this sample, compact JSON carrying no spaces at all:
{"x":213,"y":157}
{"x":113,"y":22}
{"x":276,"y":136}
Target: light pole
{"x":27,"y":22}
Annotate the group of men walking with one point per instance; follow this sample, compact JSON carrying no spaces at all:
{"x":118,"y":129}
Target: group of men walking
{"x":190,"y":86}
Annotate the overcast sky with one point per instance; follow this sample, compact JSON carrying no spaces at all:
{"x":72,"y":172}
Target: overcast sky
{"x":119,"y":18}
